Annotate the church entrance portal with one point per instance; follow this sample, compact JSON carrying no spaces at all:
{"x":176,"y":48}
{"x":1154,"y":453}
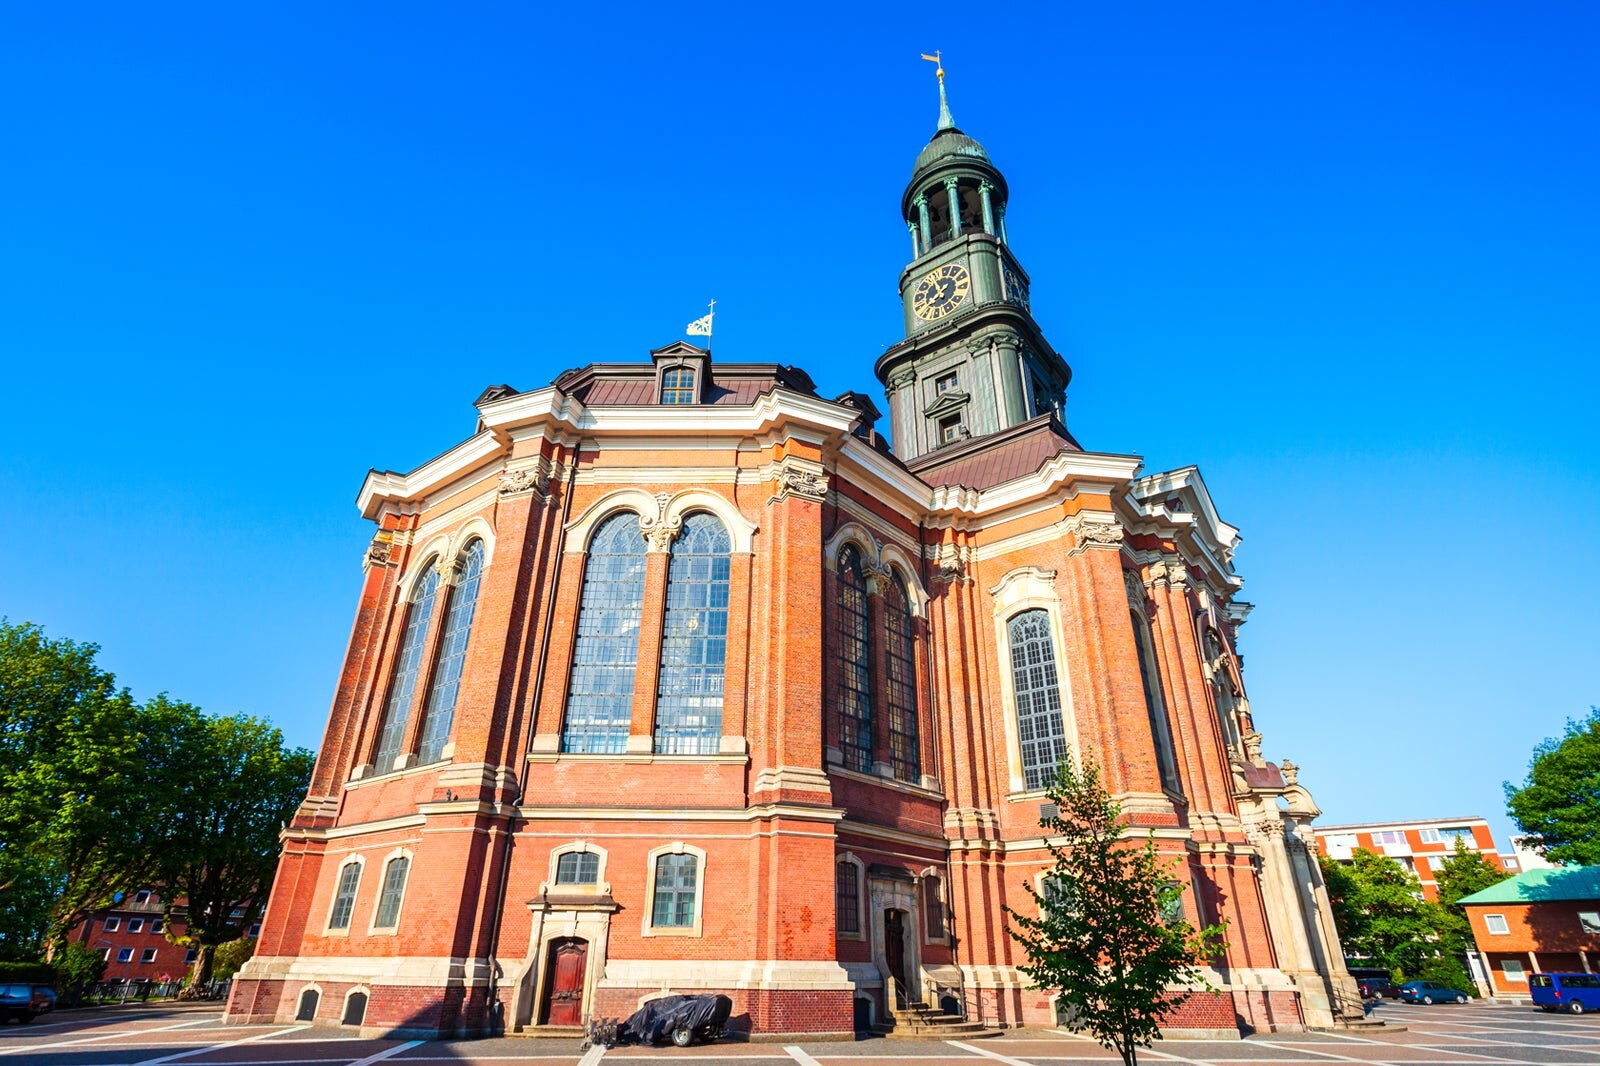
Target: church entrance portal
{"x":563,"y":999}
{"x":894,"y":948}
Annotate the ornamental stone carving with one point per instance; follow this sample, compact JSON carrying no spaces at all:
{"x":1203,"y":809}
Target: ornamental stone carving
{"x":800,"y":481}
{"x":379,"y":552}
{"x":518,"y":482}
{"x":1264,"y":830}
{"x":1094,"y":533}
{"x":660,"y":535}
{"x":448,"y":570}
{"x":1291,"y":772}
{"x":902,"y":380}
{"x":951,"y":560}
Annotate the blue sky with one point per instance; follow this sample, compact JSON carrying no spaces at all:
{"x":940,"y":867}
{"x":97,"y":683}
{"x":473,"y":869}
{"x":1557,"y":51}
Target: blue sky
{"x":1343,"y":257}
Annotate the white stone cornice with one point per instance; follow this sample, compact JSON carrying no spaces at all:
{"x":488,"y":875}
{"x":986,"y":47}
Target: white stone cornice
{"x":386,"y":486}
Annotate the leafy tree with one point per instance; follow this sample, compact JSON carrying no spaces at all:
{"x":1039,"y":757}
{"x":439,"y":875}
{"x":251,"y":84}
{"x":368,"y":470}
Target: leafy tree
{"x":1109,"y":935}
{"x":229,"y":787}
{"x":1381,"y":914}
{"x":1465,"y":872}
{"x":231,"y":956}
{"x":70,"y":780}
{"x":1558,"y":806}
{"x":77,"y":967}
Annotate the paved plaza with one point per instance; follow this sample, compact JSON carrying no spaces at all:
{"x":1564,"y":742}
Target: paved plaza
{"x":194,"y":1036}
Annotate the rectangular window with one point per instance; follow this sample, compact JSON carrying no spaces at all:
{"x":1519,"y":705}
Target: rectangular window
{"x":113,"y":924}
{"x":847,"y":898}
{"x":142,"y":896}
{"x":344,"y":897}
{"x":946,"y":383}
{"x":950,"y":429}
{"x":677,"y":386}
{"x":1389,"y":836}
{"x":675,"y":889}
{"x":578,"y":868}
{"x":135,"y":925}
{"x":148,"y":955}
{"x":158,"y":925}
{"x":254,"y":930}
{"x":1461,"y":833}
{"x":1496,"y":924}
{"x":106,"y":954}
{"x":394,"y":888}
{"x":933,"y":904}
{"x":1589,"y":921}
{"x":1429,"y":836}
{"x":190,"y":955}
{"x":1513,"y":970}
{"x":124,"y":954}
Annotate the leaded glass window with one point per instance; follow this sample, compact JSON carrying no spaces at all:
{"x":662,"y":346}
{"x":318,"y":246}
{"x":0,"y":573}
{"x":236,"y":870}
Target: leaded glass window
{"x":933,"y":906}
{"x":855,"y":664}
{"x":904,"y":754}
{"x":605,"y":656}
{"x":1155,"y":707}
{"x":847,"y":897}
{"x":344,"y":896}
{"x":451,"y":656}
{"x":403,"y":680}
{"x":1041,"y":731}
{"x":676,"y":882}
{"x":694,"y":640}
{"x":578,"y":868}
{"x":677,"y":386}
{"x":394,"y":889}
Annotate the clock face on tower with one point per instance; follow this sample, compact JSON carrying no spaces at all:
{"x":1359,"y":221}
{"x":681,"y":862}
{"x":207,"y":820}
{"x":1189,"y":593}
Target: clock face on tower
{"x":941,"y":290}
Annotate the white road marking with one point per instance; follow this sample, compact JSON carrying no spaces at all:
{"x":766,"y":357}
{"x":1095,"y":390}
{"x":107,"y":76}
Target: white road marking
{"x":799,"y":1055}
{"x":219,"y":1047}
{"x":381,"y":1055}
{"x":1007,"y":1059}
{"x":106,"y":1036}
{"x":595,"y":1053}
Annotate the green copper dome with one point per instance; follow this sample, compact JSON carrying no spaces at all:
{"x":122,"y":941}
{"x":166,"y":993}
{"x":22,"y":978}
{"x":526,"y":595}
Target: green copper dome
{"x":948,"y":143}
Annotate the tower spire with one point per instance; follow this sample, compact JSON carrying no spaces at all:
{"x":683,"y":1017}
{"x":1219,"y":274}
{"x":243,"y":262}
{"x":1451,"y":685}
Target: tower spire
{"x":946,"y":122}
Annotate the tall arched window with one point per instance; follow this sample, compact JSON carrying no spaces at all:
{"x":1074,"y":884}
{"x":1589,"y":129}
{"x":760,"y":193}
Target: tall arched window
{"x":694,"y":640}
{"x":1041,"y":730}
{"x":393,"y":891}
{"x":403,"y":679}
{"x":451,"y":656}
{"x":1154,"y":705}
{"x":855,"y":664}
{"x":605,"y":656}
{"x":901,"y":690}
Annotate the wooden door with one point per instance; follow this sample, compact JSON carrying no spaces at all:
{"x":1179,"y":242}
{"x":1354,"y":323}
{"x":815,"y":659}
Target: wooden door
{"x":563,"y":998}
{"x":894,"y":947}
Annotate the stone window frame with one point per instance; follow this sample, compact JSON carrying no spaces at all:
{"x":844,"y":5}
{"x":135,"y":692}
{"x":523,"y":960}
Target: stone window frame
{"x":1156,"y":703}
{"x":374,"y":929}
{"x":849,"y":858}
{"x":355,"y":895}
{"x":299,"y":1001}
{"x":670,"y":386}
{"x":932,"y":876}
{"x":601,"y":886}
{"x":677,"y":847}
{"x":1027,"y":588}
{"x":344,"y":1004}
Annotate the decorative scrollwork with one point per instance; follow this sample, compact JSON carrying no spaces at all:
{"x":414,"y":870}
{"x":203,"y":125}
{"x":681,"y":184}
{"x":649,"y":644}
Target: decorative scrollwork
{"x":517,"y":482}
{"x":1095,"y":533}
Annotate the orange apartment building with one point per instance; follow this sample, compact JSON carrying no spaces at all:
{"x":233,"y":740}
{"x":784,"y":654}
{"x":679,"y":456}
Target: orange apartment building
{"x":676,"y":676}
{"x":1419,"y":846}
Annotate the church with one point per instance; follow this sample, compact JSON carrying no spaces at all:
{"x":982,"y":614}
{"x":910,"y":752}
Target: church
{"x":677,"y":676}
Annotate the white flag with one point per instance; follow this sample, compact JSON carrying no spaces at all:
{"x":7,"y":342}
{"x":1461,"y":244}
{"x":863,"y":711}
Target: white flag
{"x":700,"y":327}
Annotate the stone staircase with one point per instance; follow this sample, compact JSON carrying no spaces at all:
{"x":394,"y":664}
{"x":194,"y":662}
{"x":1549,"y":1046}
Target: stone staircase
{"x":918,"y":1021}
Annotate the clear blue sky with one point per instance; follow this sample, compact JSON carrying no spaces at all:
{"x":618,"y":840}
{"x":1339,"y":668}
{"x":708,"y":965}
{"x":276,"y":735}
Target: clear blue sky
{"x":1342,"y":256}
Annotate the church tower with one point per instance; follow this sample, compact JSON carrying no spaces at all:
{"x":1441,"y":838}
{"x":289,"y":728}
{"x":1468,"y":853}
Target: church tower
{"x":973,"y":361}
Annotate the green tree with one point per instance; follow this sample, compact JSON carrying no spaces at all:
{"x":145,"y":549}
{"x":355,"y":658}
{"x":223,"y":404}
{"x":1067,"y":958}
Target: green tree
{"x":77,"y":968}
{"x":228,"y":786}
{"x":1109,"y":936}
{"x":72,"y":799}
{"x":1558,"y":806}
{"x":1463,"y":873}
{"x":230,"y":956}
{"x":1381,"y":913}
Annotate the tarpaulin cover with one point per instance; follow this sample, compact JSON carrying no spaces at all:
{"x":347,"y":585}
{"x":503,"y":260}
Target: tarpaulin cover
{"x":655,"y":1020}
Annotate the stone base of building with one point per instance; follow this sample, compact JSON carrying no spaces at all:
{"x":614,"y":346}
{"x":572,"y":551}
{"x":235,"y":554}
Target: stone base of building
{"x":758,"y":1013}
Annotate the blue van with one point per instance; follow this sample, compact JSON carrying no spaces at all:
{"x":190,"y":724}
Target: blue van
{"x":1576,"y":992}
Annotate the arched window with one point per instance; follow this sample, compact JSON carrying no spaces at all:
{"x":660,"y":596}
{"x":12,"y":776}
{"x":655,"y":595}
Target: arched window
{"x":1041,"y":731}
{"x":403,"y":679}
{"x":847,"y":897}
{"x":577,"y":868}
{"x":694,"y":640}
{"x":904,"y":753}
{"x":605,"y":656}
{"x":677,"y":386}
{"x":393,"y":891}
{"x":855,"y":664}
{"x":451,"y":656}
{"x":344,"y":896}
{"x":1154,"y":705}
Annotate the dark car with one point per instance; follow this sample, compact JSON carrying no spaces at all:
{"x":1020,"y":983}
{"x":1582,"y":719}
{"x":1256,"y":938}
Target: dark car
{"x":1430,"y":992}
{"x":16,"y":1001}
{"x":683,"y":1019}
{"x":44,"y":999}
{"x":1377,"y":988}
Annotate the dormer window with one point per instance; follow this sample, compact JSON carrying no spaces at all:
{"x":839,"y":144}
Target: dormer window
{"x":950,"y":429}
{"x":677,"y":386}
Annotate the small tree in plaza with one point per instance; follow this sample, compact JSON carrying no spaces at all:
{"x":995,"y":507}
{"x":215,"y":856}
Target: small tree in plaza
{"x":1110,"y":935}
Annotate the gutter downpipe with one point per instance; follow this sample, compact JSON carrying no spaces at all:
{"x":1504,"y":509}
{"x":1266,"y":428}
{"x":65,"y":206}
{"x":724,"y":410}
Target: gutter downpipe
{"x":496,"y":1007}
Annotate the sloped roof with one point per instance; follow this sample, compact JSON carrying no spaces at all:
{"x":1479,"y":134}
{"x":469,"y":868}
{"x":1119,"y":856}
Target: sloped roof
{"x":984,"y":462}
{"x":1543,"y":886}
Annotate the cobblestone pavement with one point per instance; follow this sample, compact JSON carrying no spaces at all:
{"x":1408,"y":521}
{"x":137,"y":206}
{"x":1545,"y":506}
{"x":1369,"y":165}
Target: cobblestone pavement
{"x":1473,"y":1035}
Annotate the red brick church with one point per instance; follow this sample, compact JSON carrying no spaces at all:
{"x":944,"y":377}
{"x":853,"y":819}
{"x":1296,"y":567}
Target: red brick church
{"x":677,"y":676}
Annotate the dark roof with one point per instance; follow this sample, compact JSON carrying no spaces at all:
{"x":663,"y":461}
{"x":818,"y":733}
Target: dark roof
{"x":984,"y":462}
{"x":634,"y":384}
{"x":1543,"y":886}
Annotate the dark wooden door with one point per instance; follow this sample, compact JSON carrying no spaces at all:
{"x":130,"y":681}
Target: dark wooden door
{"x":894,"y":947}
{"x":563,"y":1000}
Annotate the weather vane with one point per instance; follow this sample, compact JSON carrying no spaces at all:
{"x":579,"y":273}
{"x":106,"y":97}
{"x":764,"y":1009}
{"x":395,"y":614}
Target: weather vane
{"x":937,"y":61}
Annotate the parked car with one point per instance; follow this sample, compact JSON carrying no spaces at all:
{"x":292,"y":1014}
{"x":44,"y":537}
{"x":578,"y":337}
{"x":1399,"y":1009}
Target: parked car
{"x":16,"y":1001}
{"x":44,"y":999}
{"x":1377,"y":988}
{"x":1430,"y":992}
{"x":1576,"y":992}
